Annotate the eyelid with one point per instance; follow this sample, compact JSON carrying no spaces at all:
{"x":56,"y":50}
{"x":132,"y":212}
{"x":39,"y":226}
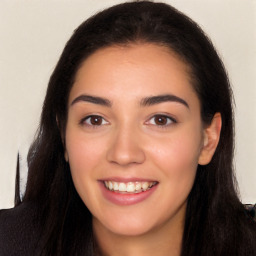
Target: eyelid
{"x":171,"y":120}
{"x":83,"y":121}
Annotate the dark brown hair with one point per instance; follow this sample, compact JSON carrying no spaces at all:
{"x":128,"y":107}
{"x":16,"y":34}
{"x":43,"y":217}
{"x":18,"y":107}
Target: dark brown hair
{"x":216,"y":223}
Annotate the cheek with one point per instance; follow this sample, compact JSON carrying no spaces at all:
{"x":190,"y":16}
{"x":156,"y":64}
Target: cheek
{"x":84,"y":158}
{"x":183,"y":149}
{"x":82,"y":151}
{"x":177,"y":157}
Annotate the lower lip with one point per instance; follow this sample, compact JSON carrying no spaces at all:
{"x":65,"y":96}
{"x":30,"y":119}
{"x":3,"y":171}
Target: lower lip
{"x":126,"y":199}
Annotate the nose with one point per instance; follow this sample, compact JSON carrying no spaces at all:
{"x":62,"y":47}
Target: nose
{"x":126,"y":147}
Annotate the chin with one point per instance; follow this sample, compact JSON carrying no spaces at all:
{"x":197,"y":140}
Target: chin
{"x":130,"y":230}
{"x":126,"y":225}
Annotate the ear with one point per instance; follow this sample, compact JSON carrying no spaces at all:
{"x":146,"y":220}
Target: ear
{"x":211,"y":140}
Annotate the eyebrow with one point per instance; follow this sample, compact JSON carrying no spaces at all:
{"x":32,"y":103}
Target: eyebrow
{"x":149,"y":101}
{"x":92,"y":99}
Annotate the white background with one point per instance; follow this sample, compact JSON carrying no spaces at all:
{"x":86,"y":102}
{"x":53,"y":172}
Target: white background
{"x":33,"y":34}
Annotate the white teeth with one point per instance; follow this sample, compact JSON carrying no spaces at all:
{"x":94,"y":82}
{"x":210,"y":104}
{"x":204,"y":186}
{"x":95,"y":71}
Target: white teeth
{"x":145,"y":185}
{"x":122,"y":187}
{"x":138,"y":186}
{"x":110,"y":185}
{"x":116,"y":187}
{"x":130,"y":187}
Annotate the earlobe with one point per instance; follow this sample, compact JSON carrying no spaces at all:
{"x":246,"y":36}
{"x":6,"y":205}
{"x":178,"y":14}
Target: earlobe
{"x":211,"y":140}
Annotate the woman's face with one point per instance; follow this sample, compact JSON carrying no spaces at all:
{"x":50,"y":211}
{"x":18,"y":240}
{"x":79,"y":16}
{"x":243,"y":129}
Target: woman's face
{"x":134,"y":138}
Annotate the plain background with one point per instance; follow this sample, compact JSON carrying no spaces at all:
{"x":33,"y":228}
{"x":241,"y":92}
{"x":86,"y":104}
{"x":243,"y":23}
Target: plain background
{"x":34,"y":32}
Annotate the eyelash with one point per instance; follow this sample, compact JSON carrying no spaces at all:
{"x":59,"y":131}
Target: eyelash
{"x":169,"y":120}
{"x":84,"y":121}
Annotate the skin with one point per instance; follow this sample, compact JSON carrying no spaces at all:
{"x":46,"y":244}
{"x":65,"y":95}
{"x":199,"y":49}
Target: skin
{"x":128,"y":141}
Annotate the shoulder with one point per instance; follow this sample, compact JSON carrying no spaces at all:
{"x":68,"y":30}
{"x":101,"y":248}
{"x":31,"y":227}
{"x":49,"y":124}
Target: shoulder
{"x":18,"y":230}
{"x":249,"y":230}
{"x":251,"y":210}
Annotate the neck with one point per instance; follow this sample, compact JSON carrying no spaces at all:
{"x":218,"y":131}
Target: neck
{"x":165,"y":240}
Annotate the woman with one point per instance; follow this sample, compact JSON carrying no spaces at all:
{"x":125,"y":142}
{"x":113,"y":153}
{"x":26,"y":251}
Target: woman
{"x":134,"y":152}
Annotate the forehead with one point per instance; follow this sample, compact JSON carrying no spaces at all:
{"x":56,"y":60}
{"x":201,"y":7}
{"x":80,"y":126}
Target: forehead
{"x":136,"y":70}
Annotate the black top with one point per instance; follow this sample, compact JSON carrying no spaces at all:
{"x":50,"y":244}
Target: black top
{"x":19,"y":233}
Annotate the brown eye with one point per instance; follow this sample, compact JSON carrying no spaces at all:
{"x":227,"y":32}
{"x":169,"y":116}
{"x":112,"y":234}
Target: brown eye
{"x":95,"y":120}
{"x":161,"y":120}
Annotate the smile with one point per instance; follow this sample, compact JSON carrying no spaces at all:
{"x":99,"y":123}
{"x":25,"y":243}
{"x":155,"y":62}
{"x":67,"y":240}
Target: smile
{"x":129,"y":187}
